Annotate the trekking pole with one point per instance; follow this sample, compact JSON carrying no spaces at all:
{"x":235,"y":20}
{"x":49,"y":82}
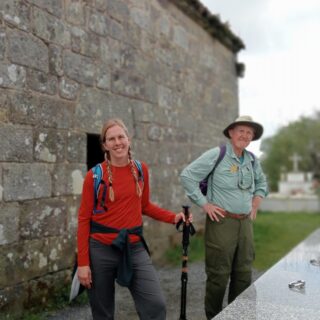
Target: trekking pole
{"x":187,"y":230}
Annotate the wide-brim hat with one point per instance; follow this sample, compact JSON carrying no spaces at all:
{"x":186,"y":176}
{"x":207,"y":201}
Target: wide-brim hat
{"x":246,"y":121}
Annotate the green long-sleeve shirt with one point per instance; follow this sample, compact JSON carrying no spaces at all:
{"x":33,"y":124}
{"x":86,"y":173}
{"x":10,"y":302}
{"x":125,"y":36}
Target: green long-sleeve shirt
{"x":233,"y":184}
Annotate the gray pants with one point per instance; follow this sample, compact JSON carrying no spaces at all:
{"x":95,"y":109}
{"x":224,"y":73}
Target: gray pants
{"x":145,"y":288}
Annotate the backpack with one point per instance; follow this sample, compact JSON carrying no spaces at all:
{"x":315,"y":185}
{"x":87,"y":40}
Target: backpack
{"x":97,"y":177}
{"x":203,"y":184}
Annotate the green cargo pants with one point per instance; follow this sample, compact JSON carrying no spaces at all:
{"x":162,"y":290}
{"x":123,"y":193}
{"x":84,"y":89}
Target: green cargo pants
{"x":229,"y":254}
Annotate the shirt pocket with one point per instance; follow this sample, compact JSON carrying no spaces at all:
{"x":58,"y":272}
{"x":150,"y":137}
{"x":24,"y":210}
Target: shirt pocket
{"x":245,"y":177}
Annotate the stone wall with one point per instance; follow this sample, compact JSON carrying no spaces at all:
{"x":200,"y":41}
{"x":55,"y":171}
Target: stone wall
{"x":65,"y":67}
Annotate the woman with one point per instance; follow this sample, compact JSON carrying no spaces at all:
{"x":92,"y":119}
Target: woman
{"x":110,"y":241}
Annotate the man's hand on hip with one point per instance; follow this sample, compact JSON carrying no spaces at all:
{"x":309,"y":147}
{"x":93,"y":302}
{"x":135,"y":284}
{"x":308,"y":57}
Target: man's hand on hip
{"x":213,"y":211}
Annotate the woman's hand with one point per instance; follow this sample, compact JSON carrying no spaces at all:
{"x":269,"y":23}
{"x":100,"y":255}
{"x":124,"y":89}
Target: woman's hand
{"x":180,"y":216}
{"x":213,"y":211}
{"x":84,"y":275}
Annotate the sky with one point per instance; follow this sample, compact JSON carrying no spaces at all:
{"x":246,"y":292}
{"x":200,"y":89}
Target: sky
{"x":282,"y":58}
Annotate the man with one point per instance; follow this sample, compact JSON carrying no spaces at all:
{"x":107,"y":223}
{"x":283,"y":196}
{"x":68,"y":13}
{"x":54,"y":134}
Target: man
{"x":236,"y":187}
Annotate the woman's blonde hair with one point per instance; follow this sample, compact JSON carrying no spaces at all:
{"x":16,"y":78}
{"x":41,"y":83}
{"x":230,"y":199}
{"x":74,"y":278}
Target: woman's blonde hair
{"x":109,"y":124}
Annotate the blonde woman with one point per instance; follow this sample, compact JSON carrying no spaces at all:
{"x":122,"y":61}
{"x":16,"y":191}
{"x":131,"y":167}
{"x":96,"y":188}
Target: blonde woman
{"x":110,"y":241}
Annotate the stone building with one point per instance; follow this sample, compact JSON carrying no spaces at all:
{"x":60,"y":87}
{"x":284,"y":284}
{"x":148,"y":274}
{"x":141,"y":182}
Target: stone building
{"x":168,"y":68}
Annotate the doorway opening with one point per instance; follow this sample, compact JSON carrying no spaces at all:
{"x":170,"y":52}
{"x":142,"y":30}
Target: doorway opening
{"x":94,"y":152}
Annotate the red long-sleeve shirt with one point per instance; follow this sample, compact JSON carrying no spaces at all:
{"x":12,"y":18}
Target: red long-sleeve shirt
{"x":124,"y":212}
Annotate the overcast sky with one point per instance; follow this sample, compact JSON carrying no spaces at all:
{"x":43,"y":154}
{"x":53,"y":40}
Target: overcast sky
{"x":282,"y":57}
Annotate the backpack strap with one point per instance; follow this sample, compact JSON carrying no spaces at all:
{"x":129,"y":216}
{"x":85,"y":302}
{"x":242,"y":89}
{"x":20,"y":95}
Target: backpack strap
{"x":97,"y":171}
{"x":253,"y":161}
{"x":223,"y":149}
{"x":139,"y":167}
{"x":253,"y":158}
{"x":222,"y":153}
{"x":203,"y":185}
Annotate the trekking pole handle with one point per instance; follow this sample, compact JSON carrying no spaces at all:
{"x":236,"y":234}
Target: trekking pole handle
{"x":186,"y":212}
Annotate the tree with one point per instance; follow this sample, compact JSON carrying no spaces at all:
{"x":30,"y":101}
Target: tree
{"x":300,"y":137}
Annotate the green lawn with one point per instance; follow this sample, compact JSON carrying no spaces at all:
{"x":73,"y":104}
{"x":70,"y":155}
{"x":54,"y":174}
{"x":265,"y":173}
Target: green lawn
{"x":275,"y":234}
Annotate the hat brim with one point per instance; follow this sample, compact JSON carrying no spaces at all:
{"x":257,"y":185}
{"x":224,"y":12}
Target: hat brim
{"x":258,"y":129}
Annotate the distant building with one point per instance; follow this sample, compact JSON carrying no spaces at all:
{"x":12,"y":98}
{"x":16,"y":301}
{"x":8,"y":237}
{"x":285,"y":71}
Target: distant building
{"x":296,"y":192}
{"x":296,"y":182}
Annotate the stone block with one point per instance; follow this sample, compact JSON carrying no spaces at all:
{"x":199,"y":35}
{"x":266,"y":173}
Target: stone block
{"x":164,"y":25}
{"x":140,"y":131}
{"x":154,"y":133}
{"x":24,"y":108}
{"x":143,"y":111}
{"x":43,"y":218}
{"x":12,"y":76}
{"x":133,"y":85}
{"x":12,"y":300}
{"x":61,"y":253}
{"x":68,"y":179}
{"x":79,"y":68}
{"x":105,"y":51}
{"x":101,"y":5}
{"x":142,"y":18}
{"x":55,"y":113}
{"x":34,"y":293}
{"x":76,"y":147}
{"x":117,"y":9}
{"x":85,"y":43}
{"x":16,"y":13}
{"x":4,"y":106}
{"x":74,"y":12}
{"x":26,"y":181}
{"x":1,"y":185}
{"x":53,"y":7}
{"x":96,"y":106}
{"x":9,"y":222}
{"x":73,"y":204}
{"x":165,"y":53}
{"x":104,"y":77}
{"x":35,"y":259}
{"x":98,"y":22}
{"x":49,"y":145}
{"x":117,"y":30}
{"x":110,"y":52}
{"x":50,"y":28}
{"x":102,"y":25}
{"x":166,"y":98}
{"x":42,"y":290}
{"x":16,"y":143}
{"x":92,"y":110}
{"x":27,"y":50}
{"x":55,"y":60}
{"x":42,"y":82}
{"x":28,"y":259}
{"x":180,"y":37}
{"x":68,"y":89}
{"x":2,"y":42}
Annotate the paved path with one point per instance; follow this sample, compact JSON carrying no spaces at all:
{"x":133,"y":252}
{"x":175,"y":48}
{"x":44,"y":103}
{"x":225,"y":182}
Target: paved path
{"x":171,"y":285}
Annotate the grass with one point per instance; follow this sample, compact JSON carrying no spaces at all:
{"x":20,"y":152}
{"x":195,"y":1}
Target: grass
{"x":275,"y":234}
